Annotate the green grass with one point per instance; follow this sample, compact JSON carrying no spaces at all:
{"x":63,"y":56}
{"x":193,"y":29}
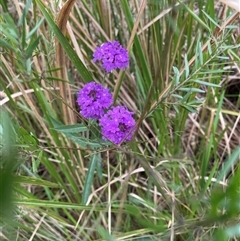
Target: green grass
{"x":178,"y":179}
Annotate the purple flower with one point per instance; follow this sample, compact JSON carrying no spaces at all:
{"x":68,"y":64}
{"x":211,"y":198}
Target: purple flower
{"x":117,"y":125}
{"x":93,"y":99}
{"x":112,"y":55}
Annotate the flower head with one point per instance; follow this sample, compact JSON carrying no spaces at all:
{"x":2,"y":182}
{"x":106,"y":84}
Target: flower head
{"x":117,"y":125}
{"x":112,"y":55}
{"x":93,"y":99}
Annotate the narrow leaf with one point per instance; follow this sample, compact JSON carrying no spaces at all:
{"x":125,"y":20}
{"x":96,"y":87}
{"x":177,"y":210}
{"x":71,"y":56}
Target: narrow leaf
{"x":199,"y":51}
{"x":186,"y":66}
{"x":233,"y":231}
{"x":199,"y":20}
{"x":34,"y":181}
{"x":99,"y":166}
{"x":176,"y":75}
{"x":189,"y":108}
{"x":84,"y":142}
{"x":6,"y":45}
{"x":192,"y":90}
{"x":211,"y":19}
{"x":89,"y":179}
{"x":185,"y":97}
{"x":196,"y":102}
{"x":32,"y":46}
{"x":209,"y":48}
{"x":229,"y":163}
{"x":177,"y":96}
{"x":71,"y":128}
{"x":206,"y":83}
{"x":34,"y":29}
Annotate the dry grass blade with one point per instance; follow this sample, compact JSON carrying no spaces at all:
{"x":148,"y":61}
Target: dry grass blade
{"x":235,"y":4}
{"x":105,"y":11}
{"x":65,"y":91}
{"x":157,"y":18}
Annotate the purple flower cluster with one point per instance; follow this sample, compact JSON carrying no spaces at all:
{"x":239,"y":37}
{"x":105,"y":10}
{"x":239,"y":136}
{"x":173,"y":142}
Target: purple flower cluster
{"x":117,"y":125}
{"x":93,"y":100}
{"x":112,"y":55}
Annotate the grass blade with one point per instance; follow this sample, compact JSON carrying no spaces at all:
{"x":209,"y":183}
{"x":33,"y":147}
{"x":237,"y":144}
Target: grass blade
{"x":89,"y":178}
{"x":82,"y":70}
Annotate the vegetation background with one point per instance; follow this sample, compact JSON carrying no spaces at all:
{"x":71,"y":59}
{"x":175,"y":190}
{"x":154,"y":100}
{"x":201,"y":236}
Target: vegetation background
{"x":178,"y":179}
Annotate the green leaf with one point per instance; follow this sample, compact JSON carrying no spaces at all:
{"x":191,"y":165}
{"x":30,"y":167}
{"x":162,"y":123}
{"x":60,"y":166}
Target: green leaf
{"x":32,"y":46}
{"x":71,"y":132}
{"x":105,"y":234}
{"x":185,"y":97}
{"x":3,"y":3}
{"x":25,"y":11}
{"x":26,"y":138}
{"x":34,"y":29}
{"x":191,"y":90}
{"x":189,"y":108}
{"x":177,"y":96}
{"x":52,"y":204}
{"x":82,"y":70}
{"x":232,"y":160}
{"x":222,"y":58}
{"x":186,"y":66}
{"x":99,"y":166}
{"x":85,"y":142}
{"x":176,"y":75}
{"x":206,"y":83}
{"x":227,"y":199}
{"x":234,"y":54}
{"x":36,"y":162}
{"x":199,"y":51}
{"x":34,"y":181}
{"x":89,"y":178}
{"x":231,"y":27}
{"x":209,"y":47}
{"x":8,"y":160}
{"x":176,"y":109}
{"x":233,"y":231}
{"x":54,"y":122}
{"x":134,"y":209}
{"x":71,"y":128}
{"x":213,"y":71}
{"x":211,"y":19}
{"x":6,"y":45}
{"x":199,"y":20}
{"x":137,"y":46}
{"x":195,"y":102}
{"x":9,"y":29}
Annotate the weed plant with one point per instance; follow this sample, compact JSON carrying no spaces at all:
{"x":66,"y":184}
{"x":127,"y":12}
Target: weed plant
{"x":177,"y":177}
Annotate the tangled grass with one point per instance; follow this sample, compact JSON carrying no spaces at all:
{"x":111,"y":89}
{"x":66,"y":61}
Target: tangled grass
{"x":179,"y":177}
